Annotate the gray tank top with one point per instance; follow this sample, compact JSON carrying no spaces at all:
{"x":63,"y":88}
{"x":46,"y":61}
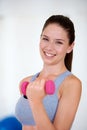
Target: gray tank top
{"x":23,"y":111}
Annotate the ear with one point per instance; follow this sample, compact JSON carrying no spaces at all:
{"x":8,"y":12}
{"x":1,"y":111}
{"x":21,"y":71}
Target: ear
{"x":70,"y":48}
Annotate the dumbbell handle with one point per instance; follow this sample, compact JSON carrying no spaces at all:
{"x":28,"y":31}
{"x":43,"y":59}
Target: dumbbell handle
{"x":49,"y":87}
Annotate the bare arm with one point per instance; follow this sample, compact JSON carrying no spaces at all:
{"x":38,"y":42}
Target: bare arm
{"x":68,"y":105}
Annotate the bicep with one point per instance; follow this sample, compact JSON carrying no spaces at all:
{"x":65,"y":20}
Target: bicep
{"x":67,"y":108}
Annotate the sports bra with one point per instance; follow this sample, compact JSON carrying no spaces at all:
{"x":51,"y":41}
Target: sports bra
{"x":23,"y":111}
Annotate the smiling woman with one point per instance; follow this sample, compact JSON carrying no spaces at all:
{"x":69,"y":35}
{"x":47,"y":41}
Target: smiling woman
{"x":57,"y":110}
{"x":55,"y":42}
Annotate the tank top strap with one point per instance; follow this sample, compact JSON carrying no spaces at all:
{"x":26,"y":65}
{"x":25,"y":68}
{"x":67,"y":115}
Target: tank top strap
{"x":34,"y":77}
{"x":60,"y":78}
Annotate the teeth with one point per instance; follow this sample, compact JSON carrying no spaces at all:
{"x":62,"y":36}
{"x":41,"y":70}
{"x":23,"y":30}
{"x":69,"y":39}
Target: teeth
{"x":48,"y":54}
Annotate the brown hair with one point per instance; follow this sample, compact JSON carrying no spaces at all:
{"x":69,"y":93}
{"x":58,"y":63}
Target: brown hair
{"x":68,"y":25}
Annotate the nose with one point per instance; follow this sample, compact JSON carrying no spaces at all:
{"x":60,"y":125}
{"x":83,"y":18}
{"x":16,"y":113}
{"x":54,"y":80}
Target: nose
{"x":50,"y":45}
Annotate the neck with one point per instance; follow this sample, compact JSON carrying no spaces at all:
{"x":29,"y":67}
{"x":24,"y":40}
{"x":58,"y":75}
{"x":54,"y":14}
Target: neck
{"x":53,"y":70}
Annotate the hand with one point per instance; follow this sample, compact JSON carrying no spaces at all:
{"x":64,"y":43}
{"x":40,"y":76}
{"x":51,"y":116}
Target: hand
{"x":35,"y":91}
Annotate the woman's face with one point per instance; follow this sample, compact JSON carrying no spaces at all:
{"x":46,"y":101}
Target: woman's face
{"x":54,"y":44}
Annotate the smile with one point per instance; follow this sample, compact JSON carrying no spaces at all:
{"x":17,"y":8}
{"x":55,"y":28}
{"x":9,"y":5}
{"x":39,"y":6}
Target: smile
{"x":49,"y":54}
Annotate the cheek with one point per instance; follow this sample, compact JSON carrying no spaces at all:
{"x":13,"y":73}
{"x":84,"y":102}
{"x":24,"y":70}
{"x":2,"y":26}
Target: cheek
{"x":41,"y":48}
{"x":61,"y":50}
{"x":42,"y":45}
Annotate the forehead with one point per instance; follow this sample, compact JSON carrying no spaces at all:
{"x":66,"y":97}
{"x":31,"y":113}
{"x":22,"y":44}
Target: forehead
{"x":54,"y":26}
{"x":55,"y":30}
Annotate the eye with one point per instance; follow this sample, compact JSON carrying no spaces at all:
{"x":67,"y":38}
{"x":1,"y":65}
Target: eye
{"x":59,"y":42}
{"x":45,"y":39}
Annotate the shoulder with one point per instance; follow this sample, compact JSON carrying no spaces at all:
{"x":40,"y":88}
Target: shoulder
{"x":28,"y":78}
{"x":73,"y":80}
{"x":72,"y":85}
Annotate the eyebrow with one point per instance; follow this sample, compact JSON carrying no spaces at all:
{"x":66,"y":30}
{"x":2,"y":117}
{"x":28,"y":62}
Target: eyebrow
{"x":55,"y":39}
{"x":44,"y":35}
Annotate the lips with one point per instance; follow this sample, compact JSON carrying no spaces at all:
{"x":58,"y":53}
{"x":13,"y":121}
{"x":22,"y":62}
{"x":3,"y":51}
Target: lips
{"x":49,"y":54}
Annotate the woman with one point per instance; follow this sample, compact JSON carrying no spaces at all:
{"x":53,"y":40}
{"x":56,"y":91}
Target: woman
{"x":52,"y":112}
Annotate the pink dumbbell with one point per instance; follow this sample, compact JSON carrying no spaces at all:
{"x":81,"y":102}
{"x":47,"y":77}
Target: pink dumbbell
{"x":49,"y":87}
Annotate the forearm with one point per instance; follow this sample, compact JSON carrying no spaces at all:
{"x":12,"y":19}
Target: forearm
{"x":41,"y":118}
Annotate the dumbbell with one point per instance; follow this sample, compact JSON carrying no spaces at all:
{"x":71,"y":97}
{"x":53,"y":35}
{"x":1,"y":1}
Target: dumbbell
{"x":49,"y":87}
